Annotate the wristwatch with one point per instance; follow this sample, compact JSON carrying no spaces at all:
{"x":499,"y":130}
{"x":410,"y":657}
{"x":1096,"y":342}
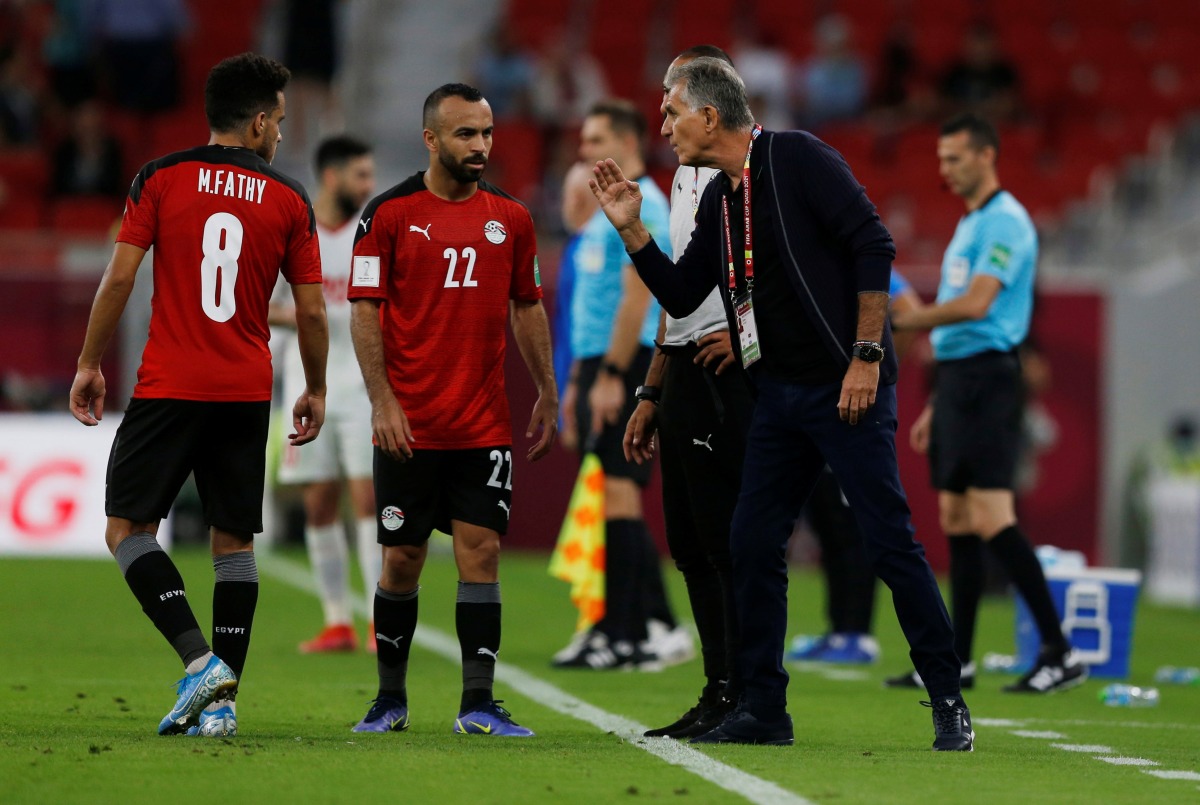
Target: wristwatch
{"x":610,"y":368}
{"x":651,"y":393}
{"x":869,"y":351}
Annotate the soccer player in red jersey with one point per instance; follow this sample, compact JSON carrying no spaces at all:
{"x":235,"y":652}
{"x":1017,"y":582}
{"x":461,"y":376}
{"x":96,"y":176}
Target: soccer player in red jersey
{"x":223,"y":225}
{"x":442,"y":261}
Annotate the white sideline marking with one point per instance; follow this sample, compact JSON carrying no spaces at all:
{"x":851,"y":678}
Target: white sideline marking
{"x":754,"y":789}
{"x":1173,"y":775}
{"x":1052,"y":736}
{"x":1096,"y":749}
{"x":1085,"y":722}
{"x":1128,"y":761}
{"x":998,"y":722}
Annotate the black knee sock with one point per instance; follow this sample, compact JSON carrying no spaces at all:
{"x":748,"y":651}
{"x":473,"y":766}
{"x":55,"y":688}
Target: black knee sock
{"x":624,"y":616}
{"x":1025,"y":571}
{"x":654,"y":592}
{"x":235,"y":596}
{"x":966,"y":588}
{"x":395,"y":623}
{"x":477,"y":620}
{"x":158,"y":587}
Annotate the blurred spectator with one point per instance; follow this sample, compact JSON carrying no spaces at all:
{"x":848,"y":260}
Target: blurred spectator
{"x":139,"y":50}
{"x":766,"y":69}
{"x":310,"y":49}
{"x":504,"y":74}
{"x":88,"y":160}
{"x":18,"y":103}
{"x":67,"y":52}
{"x":832,"y":83}
{"x":982,"y":80}
{"x":568,"y":81}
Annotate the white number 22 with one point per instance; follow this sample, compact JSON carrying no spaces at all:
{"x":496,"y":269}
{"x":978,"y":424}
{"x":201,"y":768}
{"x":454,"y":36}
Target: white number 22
{"x":469,"y":255}
{"x":222,"y":245}
{"x":500,"y":457}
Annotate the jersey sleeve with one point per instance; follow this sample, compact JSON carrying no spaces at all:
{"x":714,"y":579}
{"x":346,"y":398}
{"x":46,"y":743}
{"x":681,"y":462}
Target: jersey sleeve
{"x":302,"y":258}
{"x":139,"y":224}
{"x":999,"y":238}
{"x":656,"y":215}
{"x":374,"y":254}
{"x":526,"y":282}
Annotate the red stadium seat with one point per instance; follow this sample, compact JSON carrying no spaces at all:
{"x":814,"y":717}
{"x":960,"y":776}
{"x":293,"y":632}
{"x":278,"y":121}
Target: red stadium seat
{"x":24,"y":177}
{"x":85,"y":215}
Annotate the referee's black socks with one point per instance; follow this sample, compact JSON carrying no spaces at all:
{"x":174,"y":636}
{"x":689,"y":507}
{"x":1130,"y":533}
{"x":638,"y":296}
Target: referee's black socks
{"x":158,"y":587}
{"x":1017,"y":555}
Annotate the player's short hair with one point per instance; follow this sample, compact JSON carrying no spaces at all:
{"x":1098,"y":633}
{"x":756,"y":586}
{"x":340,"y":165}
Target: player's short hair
{"x":240,"y":87}
{"x":708,"y":81}
{"x":705,"y":52}
{"x":337,"y":151}
{"x":465,"y":91}
{"x":623,"y":116}
{"x":980,"y":133}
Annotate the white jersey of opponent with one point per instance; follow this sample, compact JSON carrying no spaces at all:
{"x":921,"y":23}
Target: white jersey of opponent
{"x":344,"y":448}
{"x":686,"y":190}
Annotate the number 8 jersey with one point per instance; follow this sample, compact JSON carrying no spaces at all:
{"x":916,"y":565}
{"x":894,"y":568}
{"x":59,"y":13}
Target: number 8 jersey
{"x":445,"y":271}
{"x":223,"y":224}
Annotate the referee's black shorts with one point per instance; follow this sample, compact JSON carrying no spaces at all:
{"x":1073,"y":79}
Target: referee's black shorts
{"x":975,"y":437}
{"x":609,"y":442}
{"x":159,"y":442}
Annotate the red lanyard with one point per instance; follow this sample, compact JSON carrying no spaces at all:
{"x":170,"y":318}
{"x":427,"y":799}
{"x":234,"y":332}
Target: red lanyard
{"x":749,"y":239}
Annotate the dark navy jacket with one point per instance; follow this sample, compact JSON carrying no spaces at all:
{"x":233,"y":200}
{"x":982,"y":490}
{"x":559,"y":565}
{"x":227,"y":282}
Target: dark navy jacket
{"x":832,"y":243}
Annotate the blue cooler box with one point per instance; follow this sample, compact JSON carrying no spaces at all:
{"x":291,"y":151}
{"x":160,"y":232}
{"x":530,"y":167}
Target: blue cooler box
{"x":1097,"y":607}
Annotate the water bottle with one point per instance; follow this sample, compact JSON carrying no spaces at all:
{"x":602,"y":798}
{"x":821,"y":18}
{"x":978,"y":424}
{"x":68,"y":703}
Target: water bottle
{"x":1129,"y":696}
{"x":1170,"y":675}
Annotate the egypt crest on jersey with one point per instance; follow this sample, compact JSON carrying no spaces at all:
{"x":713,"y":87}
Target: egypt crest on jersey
{"x":445,"y":273}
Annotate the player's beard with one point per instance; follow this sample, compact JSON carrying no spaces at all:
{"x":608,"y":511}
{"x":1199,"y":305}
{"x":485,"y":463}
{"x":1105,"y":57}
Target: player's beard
{"x":462,"y":172}
{"x":347,"y":205}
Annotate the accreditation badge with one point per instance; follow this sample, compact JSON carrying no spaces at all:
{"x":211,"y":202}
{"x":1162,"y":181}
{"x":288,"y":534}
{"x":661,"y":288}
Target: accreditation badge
{"x":747,"y":330}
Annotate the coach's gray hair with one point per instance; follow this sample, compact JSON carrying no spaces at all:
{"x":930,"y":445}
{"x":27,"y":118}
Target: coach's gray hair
{"x":713,"y":82}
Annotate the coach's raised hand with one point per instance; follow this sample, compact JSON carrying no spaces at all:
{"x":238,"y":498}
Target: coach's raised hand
{"x":621,"y":201}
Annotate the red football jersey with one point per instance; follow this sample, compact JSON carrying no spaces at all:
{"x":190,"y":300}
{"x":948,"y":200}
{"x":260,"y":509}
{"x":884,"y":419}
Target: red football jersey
{"x":223,"y":224}
{"x":446,"y":271}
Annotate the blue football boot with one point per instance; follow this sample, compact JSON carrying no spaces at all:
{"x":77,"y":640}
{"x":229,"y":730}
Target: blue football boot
{"x":490,"y":719}
{"x":214,"y":681}
{"x":386,"y":715}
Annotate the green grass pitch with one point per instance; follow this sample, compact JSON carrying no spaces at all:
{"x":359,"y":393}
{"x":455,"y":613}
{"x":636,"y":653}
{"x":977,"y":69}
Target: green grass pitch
{"x":84,"y":679}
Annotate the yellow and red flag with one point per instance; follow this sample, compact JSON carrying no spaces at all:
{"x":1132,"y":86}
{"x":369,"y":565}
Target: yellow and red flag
{"x":578,"y":557}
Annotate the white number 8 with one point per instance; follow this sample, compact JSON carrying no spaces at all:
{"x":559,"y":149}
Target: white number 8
{"x":222,"y":245}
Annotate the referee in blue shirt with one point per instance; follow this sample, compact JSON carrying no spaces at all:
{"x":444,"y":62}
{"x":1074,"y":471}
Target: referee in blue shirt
{"x":971,"y":429}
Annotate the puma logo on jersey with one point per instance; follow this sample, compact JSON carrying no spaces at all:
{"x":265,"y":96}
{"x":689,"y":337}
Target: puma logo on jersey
{"x":364,"y":223}
{"x":704,"y":443}
{"x":504,"y":506}
{"x":489,"y":653}
{"x":425,"y":231}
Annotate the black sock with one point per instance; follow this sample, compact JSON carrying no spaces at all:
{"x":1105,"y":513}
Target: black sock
{"x":158,"y":587}
{"x":1025,"y":571}
{"x":624,"y":615}
{"x":235,"y":596}
{"x":477,"y":619}
{"x":654,"y":592}
{"x":966,"y":588}
{"x":395,"y":622}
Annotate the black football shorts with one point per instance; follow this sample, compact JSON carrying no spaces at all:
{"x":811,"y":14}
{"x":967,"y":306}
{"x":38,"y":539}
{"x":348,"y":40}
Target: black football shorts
{"x":427,"y":491}
{"x":159,"y":442}
{"x":975,"y":437}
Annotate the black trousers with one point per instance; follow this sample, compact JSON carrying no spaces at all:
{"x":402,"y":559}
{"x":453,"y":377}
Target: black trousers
{"x":703,"y":420}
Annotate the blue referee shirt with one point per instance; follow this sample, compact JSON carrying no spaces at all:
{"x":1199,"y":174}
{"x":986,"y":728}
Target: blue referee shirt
{"x":600,"y":259}
{"x":999,"y":240}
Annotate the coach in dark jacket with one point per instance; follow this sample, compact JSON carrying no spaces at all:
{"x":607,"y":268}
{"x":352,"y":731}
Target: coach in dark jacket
{"x":804,"y":260}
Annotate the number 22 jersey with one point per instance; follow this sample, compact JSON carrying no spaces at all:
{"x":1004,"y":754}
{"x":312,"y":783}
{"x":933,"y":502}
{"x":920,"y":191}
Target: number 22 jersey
{"x":223,"y":224}
{"x":445,"y":271}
